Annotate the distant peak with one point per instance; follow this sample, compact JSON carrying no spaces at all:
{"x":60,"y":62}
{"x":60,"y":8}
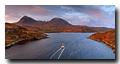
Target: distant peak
{"x":25,"y":16}
{"x":56,"y":17}
{"x":26,"y":19}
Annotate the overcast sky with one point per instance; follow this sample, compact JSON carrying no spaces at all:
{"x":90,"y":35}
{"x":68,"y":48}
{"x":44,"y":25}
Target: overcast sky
{"x":90,"y":15}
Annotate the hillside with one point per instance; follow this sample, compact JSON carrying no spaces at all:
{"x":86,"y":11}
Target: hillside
{"x":57,"y":25}
{"x":25,"y":20}
{"x":55,"y":22}
{"x":101,"y":29}
{"x":108,"y":38}
{"x":14,"y":33}
{"x":58,"y":22}
{"x":43,"y":29}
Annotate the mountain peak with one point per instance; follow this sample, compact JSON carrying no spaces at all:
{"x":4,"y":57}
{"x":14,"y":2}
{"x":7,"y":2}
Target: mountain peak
{"x":25,"y":16}
{"x":58,"y":21}
{"x":26,"y":19}
{"x":57,"y":18}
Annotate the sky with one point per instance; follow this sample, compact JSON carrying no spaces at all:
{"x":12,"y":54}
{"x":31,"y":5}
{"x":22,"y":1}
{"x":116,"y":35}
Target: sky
{"x":88,"y":15}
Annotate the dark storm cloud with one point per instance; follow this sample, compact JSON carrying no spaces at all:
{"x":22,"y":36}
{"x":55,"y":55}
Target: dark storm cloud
{"x":87,"y":9}
{"x":96,"y":15}
{"x":91,"y":15}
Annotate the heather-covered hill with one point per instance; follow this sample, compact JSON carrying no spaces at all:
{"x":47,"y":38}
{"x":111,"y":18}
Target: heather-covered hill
{"x":108,"y":38}
{"x":14,"y":33}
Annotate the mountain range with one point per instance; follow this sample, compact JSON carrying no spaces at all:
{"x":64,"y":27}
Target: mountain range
{"x":58,"y":24}
{"x":55,"y":22}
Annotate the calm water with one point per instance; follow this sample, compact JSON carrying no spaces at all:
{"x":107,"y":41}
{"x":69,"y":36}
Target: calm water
{"x":77,"y":46}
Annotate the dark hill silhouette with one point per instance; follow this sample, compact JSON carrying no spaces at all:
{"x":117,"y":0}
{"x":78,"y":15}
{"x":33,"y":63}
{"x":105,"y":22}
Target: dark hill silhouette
{"x":59,"y":24}
{"x":58,"y":21}
{"x":26,"y":20}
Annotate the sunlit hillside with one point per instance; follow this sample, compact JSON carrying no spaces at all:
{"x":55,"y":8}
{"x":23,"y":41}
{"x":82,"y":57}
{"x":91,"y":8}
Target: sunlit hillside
{"x":107,"y":38}
{"x":14,"y":33}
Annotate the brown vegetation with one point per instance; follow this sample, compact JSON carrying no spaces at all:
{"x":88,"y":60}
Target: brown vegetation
{"x":108,"y":38}
{"x":15,"y":33}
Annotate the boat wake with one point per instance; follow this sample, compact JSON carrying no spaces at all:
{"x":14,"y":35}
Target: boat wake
{"x":57,"y":52}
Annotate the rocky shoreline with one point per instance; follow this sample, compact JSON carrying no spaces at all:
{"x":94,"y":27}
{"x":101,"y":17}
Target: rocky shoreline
{"x":106,"y":43}
{"x":23,"y":41}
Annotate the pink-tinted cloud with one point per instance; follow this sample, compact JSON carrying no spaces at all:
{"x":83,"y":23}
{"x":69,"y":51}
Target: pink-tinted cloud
{"x":102,"y":8}
{"x":105,"y":20}
{"x":91,"y":15}
{"x":38,"y":9}
{"x":113,"y":18}
{"x":17,"y":11}
{"x":67,"y":10}
{"x":11,"y":12}
{"x":7,"y":11}
{"x":10,"y":20}
{"x":96,"y":14}
{"x":11,"y":16}
{"x":29,"y":9}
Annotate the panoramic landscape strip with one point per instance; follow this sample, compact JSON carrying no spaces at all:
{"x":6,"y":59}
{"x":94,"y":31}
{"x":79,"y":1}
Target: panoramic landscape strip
{"x":60,"y":31}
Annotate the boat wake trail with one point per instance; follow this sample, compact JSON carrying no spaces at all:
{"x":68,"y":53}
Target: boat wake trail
{"x":58,"y":51}
{"x":55,"y":53}
{"x":61,"y":53}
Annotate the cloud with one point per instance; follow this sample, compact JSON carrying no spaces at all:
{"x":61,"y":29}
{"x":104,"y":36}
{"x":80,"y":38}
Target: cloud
{"x":38,"y":9}
{"x":67,"y":10}
{"x":91,"y":15}
{"x":10,"y":19}
{"x":88,"y":10}
{"x":11,"y":15}
{"x":29,"y":9}
{"x":96,"y":14}
{"x":17,"y":11}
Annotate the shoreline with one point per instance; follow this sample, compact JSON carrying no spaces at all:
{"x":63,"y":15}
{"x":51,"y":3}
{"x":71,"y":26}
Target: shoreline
{"x":106,"y":43}
{"x":23,"y":41}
